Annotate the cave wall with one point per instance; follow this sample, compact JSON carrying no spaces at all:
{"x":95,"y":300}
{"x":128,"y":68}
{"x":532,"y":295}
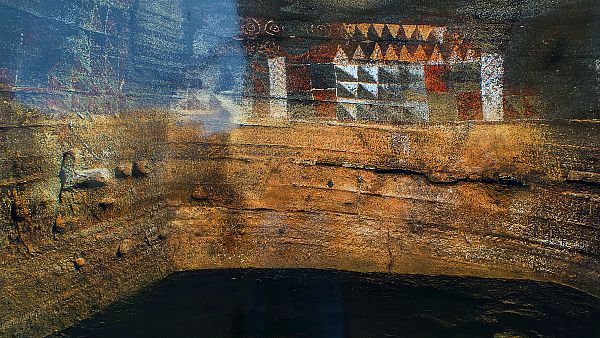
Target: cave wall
{"x":132,"y":145}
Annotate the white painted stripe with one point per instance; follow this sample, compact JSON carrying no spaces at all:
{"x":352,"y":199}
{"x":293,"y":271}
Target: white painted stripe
{"x":277,"y":78}
{"x":278,"y":108}
{"x":492,"y":74}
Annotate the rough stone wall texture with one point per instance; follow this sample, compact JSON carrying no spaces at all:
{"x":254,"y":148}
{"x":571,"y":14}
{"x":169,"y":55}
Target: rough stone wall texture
{"x":130,"y":148}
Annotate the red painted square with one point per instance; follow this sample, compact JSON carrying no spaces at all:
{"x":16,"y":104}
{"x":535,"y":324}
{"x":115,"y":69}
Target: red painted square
{"x":324,"y":95}
{"x":322,"y":53}
{"x":325,"y":106}
{"x":260,"y":87}
{"x":469,"y":106}
{"x":298,"y":78}
{"x":436,"y":77}
{"x":325,"y":109}
{"x":259,"y":67}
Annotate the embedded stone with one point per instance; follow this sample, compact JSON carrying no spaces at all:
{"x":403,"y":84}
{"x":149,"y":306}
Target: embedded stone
{"x":107,"y":203}
{"x":124,"y":170}
{"x":124,"y":248}
{"x":583,"y":177}
{"x":91,"y":179}
{"x":140,"y":169}
{"x":59,"y":225}
{"x":200,"y":194}
{"x":79,"y":263}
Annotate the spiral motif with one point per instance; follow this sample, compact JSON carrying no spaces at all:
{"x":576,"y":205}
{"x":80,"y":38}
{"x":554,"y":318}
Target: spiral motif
{"x":250,"y":27}
{"x":321,"y":30}
{"x":273,"y":28}
{"x":269,"y":47}
{"x":251,"y":48}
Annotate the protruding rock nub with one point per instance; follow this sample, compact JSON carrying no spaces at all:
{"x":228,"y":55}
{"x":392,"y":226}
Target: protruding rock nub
{"x":124,"y":170}
{"x":140,"y":169}
{"x":79,"y":263}
{"x":92,"y":178}
{"x":200,"y":194}
{"x":124,"y":248}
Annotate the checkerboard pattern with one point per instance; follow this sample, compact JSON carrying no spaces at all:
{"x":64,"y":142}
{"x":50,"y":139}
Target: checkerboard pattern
{"x":383,"y":73}
{"x":381,"y":92}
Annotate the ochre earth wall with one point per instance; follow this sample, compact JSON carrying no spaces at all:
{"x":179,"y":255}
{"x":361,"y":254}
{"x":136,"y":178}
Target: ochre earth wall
{"x":94,"y":207}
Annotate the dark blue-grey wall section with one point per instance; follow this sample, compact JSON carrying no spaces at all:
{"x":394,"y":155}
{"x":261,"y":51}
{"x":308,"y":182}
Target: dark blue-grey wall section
{"x":109,"y":55}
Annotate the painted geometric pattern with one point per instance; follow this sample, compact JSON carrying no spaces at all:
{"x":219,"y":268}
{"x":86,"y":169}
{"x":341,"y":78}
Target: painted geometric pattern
{"x":277,"y":77}
{"x":410,"y":112}
{"x":374,"y":92}
{"x":384,"y":72}
{"x":406,"y":52}
{"x":394,"y":82}
{"x":390,"y":92}
{"x":492,"y":73}
{"x":386,"y":92}
{"x":377,"y":31}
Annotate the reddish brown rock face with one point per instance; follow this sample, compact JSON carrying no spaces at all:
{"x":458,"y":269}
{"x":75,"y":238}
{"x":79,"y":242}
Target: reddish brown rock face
{"x":462,"y":199}
{"x":391,"y":145}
